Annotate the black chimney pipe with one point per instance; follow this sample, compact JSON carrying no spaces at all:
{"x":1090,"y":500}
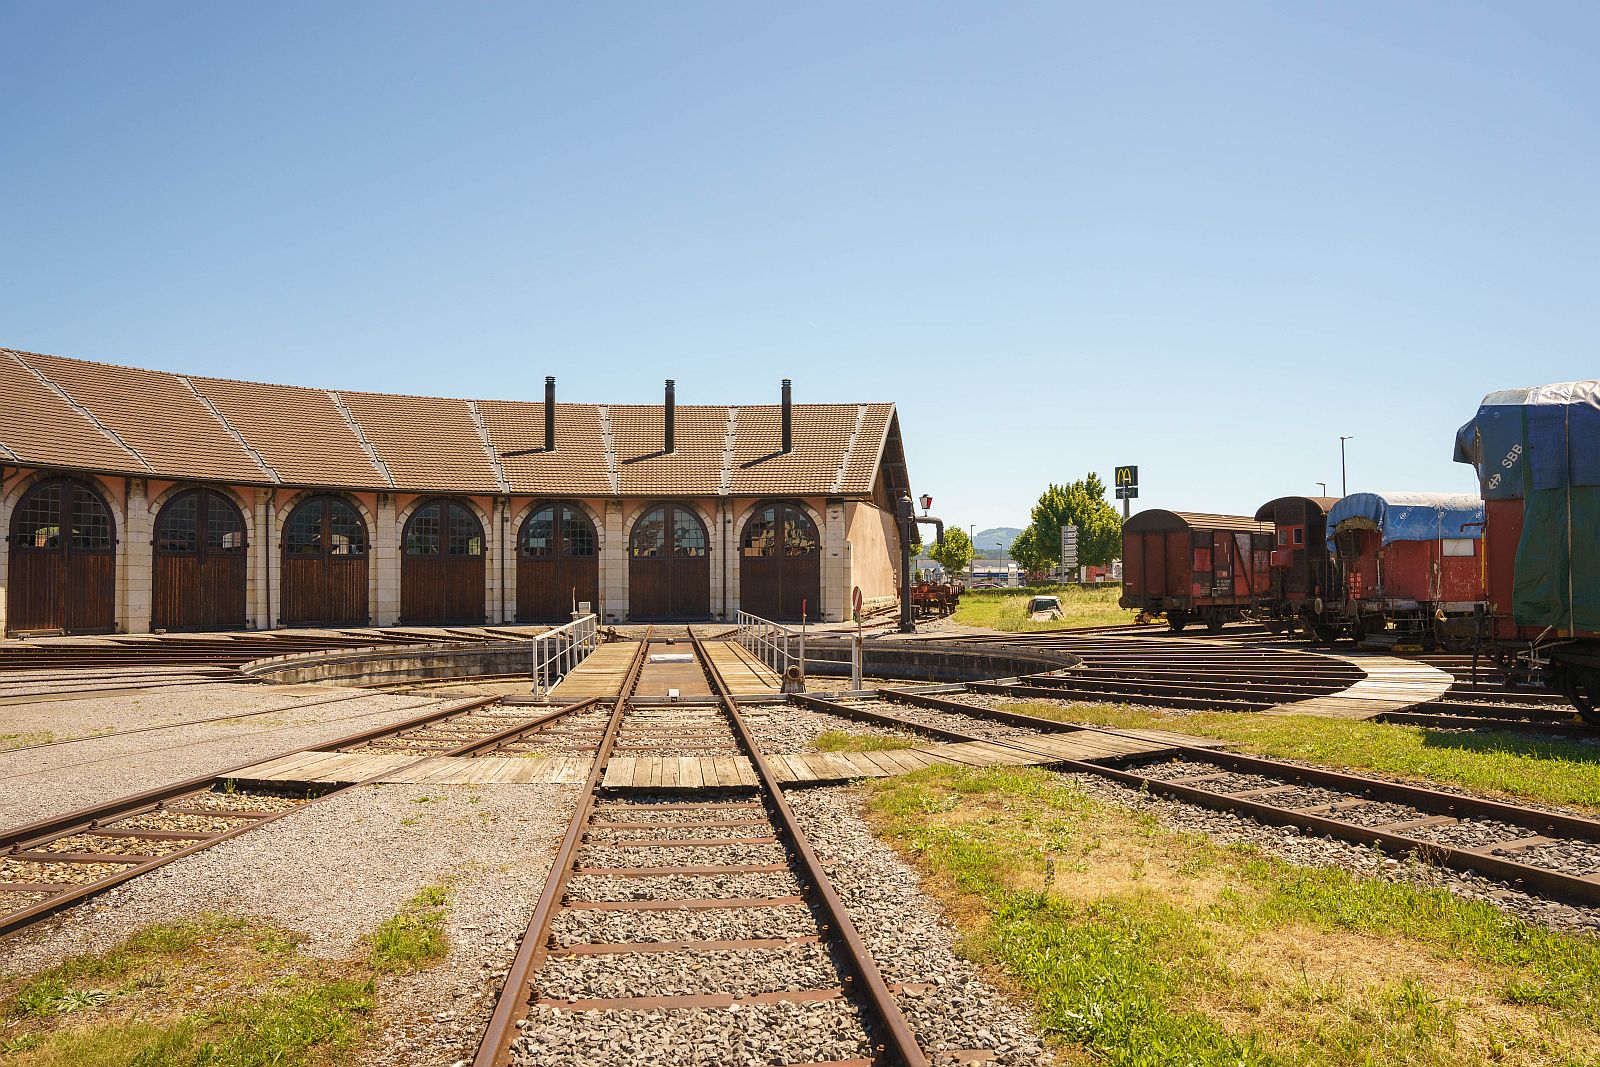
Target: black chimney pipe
{"x":671,"y":415}
{"x":788,"y":416}
{"x":549,"y":414}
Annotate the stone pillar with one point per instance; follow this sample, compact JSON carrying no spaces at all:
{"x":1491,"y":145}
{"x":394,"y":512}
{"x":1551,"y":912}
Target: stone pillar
{"x":7,"y":503}
{"x":135,"y":561}
{"x":384,"y":564}
{"x":724,"y":591}
{"x":836,"y":583}
{"x":258,"y":567}
{"x":491,"y":563}
{"x":613,"y":606}
{"x":508,"y":552}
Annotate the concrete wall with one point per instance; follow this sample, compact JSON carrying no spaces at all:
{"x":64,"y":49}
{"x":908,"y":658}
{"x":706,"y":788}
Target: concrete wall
{"x":858,"y":546}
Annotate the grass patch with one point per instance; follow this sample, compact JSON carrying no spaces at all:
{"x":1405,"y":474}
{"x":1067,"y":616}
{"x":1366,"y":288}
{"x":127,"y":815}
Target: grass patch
{"x":843,"y":741}
{"x":208,"y":992}
{"x":1549,"y":770}
{"x":216,"y":991}
{"x":413,"y":938}
{"x":25,"y":740}
{"x":1007,"y":609}
{"x":1138,"y":946}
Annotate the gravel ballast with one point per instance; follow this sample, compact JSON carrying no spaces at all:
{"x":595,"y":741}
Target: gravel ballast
{"x":39,"y":783}
{"x":335,"y":870}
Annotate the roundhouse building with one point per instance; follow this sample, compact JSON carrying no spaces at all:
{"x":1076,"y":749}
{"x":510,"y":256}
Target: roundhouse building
{"x":137,"y":500}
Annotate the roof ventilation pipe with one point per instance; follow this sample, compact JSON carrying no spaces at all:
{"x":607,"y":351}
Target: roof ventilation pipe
{"x":788,"y":416}
{"x":549,"y":414}
{"x":671,"y":416}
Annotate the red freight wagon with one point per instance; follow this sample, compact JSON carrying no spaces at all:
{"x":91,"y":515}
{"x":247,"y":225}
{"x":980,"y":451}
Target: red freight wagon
{"x":1412,"y":565}
{"x":1304,"y":577}
{"x":1195,"y":567}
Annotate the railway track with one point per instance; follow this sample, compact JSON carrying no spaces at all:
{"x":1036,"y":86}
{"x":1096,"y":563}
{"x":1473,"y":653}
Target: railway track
{"x":1157,"y":671}
{"x":1555,"y":854}
{"x":55,"y":863}
{"x":683,"y":880}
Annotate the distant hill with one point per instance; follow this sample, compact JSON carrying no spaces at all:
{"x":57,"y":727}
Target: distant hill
{"x":995,"y":543}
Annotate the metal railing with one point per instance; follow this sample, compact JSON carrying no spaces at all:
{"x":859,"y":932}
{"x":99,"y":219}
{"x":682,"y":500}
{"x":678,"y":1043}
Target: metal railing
{"x":773,"y":643}
{"x":556,"y":652}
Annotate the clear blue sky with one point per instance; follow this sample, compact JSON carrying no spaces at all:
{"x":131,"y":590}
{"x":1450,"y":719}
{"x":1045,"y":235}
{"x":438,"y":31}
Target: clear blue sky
{"x":1207,"y":239}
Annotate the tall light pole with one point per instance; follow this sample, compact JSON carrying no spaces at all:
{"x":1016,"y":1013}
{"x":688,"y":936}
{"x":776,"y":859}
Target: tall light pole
{"x":1324,"y":488}
{"x":1344,"y":485}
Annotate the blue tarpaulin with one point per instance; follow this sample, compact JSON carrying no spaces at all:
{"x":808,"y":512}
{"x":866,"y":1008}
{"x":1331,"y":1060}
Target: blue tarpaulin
{"x":1412,"y":516}
{"x":1521,"y":440}
{"x":1542,"y":446}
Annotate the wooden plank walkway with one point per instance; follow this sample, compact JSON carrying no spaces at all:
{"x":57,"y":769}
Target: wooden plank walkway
{"x":494,"y":770}
{"x":1391,"y":684}
{"x":745,"y":675}
{"x":327,"y":768}
{"x":816,"y":768}
{"x":600,"y":674}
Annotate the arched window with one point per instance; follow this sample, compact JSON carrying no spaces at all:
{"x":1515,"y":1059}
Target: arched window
{"x":63,"y":515}
{"x":781,"y":529}
{"x":557,"y":530}
{"x":669,"y":530}
{"x":325,"y":526}
{"x":446,"y":528}
{"x":199,"y":522}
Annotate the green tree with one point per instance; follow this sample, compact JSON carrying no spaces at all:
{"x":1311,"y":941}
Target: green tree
{"x":1082,"y":504}
{"x":955,"y":554}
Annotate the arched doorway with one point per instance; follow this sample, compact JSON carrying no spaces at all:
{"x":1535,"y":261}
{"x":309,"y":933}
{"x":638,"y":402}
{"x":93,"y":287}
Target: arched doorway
{"x":557,"y":563}
{"x":324,"y":565}
{"x":669,"y":565}
{"x":441,"y":571}
{"x":63,"y":564}
{"x":780,"y":564}
{"x":199,"y":581}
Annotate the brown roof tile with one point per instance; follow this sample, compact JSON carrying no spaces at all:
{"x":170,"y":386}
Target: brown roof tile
{"x":427,"y":444}
{"x":37,"y":426}
{"x":155,"y":414}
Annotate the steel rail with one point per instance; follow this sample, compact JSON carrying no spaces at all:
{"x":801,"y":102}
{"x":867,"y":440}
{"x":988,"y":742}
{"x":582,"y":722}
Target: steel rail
{"x":901,"y":1042}
{"x":1584,"y":889}
{"x":21,"y":841}
{"x":512,"y":1005}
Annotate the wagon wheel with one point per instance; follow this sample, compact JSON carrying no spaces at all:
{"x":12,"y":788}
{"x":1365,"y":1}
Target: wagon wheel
{"x":1322,"y":634}
{"x":1454,"y":641}
{"x":1214,"y":622}
{"x":1582,"y":686}
{"x":1176,"y":621}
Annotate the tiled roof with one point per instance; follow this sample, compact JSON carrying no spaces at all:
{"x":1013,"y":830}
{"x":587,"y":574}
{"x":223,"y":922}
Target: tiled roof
{"x":152,"y":423}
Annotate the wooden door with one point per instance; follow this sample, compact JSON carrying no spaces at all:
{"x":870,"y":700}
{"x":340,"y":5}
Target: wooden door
{"x":63,"y":563}
{"x":780,"y":564}
{"x":558,"y":564}
{"x":442,"y":568}
{"x":669,"y":566}
{"x":324,"y":579}
{"x":200,"y":558}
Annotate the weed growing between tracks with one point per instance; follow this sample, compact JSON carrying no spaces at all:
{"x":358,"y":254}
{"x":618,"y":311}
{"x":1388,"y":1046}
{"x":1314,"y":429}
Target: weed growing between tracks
{"x":216,"y":991}
{"x":1146,"y":946}
{"x":1008,"y":609}
{"x":1551,"y":771}
{"x":844,"y":741}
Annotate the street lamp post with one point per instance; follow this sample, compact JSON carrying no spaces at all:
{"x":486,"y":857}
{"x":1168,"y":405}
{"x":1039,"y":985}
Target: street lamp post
{"x":1324,"y":488}
{"x":1344,"y":484}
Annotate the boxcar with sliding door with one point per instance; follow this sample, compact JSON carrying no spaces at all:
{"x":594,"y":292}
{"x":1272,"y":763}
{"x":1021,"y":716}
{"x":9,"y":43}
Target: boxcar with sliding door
{"x":1195,"y":567}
